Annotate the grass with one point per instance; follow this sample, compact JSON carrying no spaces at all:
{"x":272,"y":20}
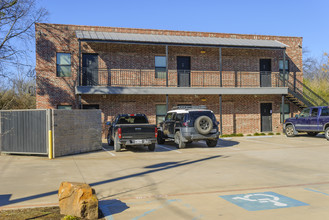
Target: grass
{"x":278,"y":133}
{"x":271,"y":133}
{"x":35,"y":213}
{"x":232,"y":135}
{"x":44,"y":213}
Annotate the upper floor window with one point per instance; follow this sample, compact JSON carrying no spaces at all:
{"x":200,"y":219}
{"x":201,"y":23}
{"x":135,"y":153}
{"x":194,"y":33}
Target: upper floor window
{"x":63,"y":64}
{"x":281,"y":66}
{"x":160,"y":67}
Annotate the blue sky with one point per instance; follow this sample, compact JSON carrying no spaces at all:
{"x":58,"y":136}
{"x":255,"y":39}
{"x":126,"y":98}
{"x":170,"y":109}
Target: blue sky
{"x":302,"y":18}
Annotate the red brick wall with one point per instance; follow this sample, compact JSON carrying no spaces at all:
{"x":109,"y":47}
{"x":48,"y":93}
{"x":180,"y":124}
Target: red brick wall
{"x":241,"y":113}
{"x":53,"y":91}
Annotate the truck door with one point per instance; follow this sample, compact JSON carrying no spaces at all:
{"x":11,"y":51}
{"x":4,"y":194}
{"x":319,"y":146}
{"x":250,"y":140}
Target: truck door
{"x":324,"y":117}
{"x":313,"y":121}
{"x":302,"y":123}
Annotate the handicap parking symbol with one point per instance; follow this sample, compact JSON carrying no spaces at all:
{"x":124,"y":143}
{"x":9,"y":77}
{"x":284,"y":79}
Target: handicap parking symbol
{"x":262,"y":201}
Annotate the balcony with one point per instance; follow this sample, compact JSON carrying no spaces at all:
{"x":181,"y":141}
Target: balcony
{"x":211,"y":81}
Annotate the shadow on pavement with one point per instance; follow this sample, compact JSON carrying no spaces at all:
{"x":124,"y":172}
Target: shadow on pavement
{"x":5,"y":199}
{"x":112,"y":206}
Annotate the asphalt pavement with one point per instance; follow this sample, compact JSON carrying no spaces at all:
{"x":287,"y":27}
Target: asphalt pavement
{"x":271,"y":177}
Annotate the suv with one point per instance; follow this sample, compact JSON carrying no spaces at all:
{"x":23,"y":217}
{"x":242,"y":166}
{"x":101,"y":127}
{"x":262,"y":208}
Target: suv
{"x":185,"y":124}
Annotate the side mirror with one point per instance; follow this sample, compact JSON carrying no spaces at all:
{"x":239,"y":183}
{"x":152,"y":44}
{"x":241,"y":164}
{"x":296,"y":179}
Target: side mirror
{"x":108,"y":123}
{"x":217,"y":122}
{"x":296,"y":116}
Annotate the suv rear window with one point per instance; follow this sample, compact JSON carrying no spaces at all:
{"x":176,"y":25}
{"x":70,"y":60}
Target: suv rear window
{"x":193,"y":115}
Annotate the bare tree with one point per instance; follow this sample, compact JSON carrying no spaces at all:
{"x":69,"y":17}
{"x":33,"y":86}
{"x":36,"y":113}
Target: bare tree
{"x":17,"y":19}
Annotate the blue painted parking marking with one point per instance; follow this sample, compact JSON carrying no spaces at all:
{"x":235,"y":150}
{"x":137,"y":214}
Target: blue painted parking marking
{"x":262,"y":201}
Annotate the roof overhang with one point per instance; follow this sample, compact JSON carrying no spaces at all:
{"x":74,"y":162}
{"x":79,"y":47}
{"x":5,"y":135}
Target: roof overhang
{"x":156,"y":39}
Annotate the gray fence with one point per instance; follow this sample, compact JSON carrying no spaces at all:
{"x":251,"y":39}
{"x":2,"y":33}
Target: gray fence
{"x":24,"y":131}
{"x":27,"y":131}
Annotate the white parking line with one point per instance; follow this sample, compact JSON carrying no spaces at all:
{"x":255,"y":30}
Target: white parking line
{"x":169,"y":149}
{"x":109,"y":152}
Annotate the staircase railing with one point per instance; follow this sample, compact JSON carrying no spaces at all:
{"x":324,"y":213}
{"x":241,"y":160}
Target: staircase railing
{"x":304,"y":93}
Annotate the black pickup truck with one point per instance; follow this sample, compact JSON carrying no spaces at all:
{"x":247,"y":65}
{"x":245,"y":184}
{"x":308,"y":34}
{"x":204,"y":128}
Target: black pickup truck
{"x":133,"y":130}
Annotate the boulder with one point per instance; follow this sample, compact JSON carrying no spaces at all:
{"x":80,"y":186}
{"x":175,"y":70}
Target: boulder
{"x":78,"y":199}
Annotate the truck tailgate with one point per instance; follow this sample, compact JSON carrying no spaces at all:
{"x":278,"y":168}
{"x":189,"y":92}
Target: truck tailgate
{"x":137,"y":131}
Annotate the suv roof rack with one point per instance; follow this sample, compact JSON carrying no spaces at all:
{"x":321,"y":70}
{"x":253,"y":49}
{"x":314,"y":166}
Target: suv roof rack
{"x":189,"y":107}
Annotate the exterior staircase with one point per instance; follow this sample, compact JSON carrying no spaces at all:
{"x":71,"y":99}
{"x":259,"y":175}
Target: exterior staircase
{"x":302,"y":96}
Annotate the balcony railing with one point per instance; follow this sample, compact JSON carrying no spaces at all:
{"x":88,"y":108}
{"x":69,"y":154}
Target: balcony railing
{"x":149,"y":78}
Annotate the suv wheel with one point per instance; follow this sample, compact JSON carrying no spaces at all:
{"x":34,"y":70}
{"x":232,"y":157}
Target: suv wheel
{"x":117,"y":145}
{"x":326,"y":133}
{"x":109,"y":141}
{"x":203,"y":124}
{"x":160,"y":138}
{"x":179,"y":141}
{"x":289,"y":131}
{"x":211,"y":143}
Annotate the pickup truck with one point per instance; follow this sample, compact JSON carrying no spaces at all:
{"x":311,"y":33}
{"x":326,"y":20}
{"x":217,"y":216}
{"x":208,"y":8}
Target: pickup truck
{"x":312,"y":120}
{"x":133,"y":130}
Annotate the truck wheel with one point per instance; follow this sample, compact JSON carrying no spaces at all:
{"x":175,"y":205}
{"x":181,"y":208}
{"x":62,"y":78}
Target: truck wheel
{"x":312,"y":133}
{"x":117,"y":145}
{"x":203,"y":124}
{"x":326,"y":133}
{"x":160,"y":138}
{"x":211,"y":143}
{"x":179,"y":141}
{"x":151,"y":147}
{"x":289,"y":131}
{"x":109,"y":141}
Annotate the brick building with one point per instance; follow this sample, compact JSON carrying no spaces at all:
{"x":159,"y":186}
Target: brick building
{"x":244,"y":79}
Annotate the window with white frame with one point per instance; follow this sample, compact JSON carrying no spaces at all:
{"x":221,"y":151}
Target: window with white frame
{"x":160,"y":67}
{"x":161,"y":111}
{"x":286,"y":112}
{"x":63,"y":64}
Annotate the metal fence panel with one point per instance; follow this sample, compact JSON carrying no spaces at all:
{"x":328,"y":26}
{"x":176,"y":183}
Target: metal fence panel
{"x":23,"y":131}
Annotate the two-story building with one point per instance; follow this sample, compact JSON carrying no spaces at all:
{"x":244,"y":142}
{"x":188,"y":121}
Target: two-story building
{"x":244,"y":79}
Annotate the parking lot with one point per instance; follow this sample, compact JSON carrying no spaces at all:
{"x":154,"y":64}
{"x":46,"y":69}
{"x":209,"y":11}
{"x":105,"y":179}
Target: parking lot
{"x":241,"y":178}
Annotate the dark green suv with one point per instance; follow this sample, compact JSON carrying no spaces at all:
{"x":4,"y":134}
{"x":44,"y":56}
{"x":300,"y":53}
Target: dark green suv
{"x":185,"y":124}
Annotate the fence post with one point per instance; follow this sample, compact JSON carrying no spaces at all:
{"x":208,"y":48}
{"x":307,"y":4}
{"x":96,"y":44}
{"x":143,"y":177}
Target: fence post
{"x":50,"y":134}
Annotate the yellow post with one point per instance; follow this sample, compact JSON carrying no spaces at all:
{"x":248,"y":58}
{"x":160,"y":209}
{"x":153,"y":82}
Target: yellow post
{"x":50,"y":154}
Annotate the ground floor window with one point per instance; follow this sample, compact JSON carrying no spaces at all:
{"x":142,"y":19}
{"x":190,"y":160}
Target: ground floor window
{"x":286,"y":112}
{"x":66,"y":107}
{"x":161,"y":111}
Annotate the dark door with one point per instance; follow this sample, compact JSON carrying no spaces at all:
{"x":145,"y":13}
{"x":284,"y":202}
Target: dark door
{"x":266,"y":116}
{"x":265,"y":72}
{"x":183,"y":71}
{"x":89,"y":69}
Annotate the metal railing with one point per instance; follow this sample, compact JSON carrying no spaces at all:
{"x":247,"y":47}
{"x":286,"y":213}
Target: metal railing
{"x":180,"y":78}
{"x":302,"y":92}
